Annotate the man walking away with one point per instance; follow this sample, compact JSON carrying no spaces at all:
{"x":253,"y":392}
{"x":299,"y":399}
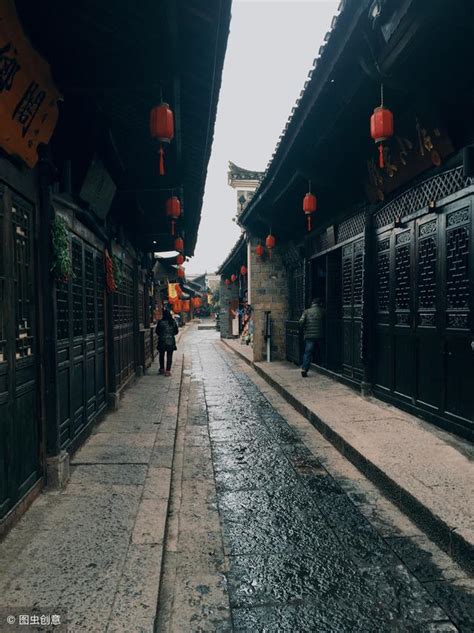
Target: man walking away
{"x":312,"y":321}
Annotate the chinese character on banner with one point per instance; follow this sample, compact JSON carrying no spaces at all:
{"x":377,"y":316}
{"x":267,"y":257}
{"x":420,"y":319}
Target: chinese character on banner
{"x":9,"y":66}
{"x":28,"y":96}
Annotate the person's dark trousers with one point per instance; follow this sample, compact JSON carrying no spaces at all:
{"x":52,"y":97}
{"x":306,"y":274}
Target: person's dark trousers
{"x":169,"y":360}
{"x":309,"y":346}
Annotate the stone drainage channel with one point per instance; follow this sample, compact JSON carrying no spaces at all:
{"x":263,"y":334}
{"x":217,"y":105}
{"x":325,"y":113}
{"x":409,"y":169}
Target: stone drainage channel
{"x":265,"y":535}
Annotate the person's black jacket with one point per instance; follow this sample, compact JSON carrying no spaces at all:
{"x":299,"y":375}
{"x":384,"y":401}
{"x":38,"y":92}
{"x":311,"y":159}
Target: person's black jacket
{"x":166,"y":331}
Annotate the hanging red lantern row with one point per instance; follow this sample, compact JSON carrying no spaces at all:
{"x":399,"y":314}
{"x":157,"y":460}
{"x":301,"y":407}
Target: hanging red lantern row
{"x":259,"y":250}
{"x":181,"y":272}
{"x":243,"y":270}
{"x":310,"y":204}
{"x":233,"y":278}
{"x":270,"y":244}
{"x":381,"y":127}
{"x":180,"y":259}
{"x":179,"y":244}
{"x":109,"y":273}
{"x":173,"y":211}
{"x":162,"y":129}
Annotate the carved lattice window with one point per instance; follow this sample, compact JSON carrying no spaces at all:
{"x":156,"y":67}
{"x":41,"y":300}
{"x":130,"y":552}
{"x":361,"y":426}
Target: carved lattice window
{"x":457,"y":266}
{"x":22,"y":238}
{"x":62,"y":309}
{"x":383,"y":275}
{"x":347,"y":281}
{"x":427,"y":255}
{"x":89,"y":290}
{"x":77,"y":289}
{"x":99,"y":280}
{"x":402,"y":275}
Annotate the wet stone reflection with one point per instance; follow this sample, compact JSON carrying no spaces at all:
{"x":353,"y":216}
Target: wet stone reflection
{"x":301,"y":556}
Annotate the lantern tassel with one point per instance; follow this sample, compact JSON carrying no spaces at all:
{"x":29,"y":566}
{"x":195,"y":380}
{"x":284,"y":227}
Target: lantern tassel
{"x":162,"y":161}
{"x":309,"y":222}
{"x":173,"y":224}
{"x":381,"y":157}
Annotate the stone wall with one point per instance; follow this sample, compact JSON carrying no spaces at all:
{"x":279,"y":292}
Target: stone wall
{"x":227,"y":295}
{"x":269,"y":292}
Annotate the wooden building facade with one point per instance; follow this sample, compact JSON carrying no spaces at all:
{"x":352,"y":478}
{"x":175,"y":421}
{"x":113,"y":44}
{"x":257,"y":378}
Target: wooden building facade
{"x":82,"y":209}
{"x":391,"y":249}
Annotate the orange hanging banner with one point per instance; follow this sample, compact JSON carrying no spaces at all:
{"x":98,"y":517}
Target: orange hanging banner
{"x":28,"y":96}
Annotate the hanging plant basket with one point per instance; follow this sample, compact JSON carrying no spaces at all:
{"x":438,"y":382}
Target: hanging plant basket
{"x":61,"y":255}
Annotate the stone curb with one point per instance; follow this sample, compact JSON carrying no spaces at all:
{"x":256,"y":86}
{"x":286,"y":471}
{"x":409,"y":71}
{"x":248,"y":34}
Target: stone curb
{"x":458,"y":548}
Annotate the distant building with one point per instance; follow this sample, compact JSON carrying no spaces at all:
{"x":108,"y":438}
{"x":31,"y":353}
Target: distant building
{"x":245,"y":182}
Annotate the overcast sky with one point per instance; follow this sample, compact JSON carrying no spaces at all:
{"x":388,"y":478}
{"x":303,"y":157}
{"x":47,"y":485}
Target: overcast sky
{"x":272,"y":44}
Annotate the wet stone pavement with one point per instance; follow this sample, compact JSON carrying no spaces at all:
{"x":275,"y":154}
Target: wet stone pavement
{"x":298,"y":554}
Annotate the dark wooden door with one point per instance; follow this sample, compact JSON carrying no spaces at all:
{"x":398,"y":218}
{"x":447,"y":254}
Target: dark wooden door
{"x":352,"y":289}
{"x":424,"y":329}
{"x":334,"y":311}
{"x":81,"y":342}
{"x":19,"y":424}
{"x":123,"y":321}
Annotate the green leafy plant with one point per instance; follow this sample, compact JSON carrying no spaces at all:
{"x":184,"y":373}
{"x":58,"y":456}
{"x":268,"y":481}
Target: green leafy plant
{"x":62,"y":264}
{"x":118,"y":270}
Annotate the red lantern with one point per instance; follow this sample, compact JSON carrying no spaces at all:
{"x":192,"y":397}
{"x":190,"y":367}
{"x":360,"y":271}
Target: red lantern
{"x":173,"y":211}
{"x":181,"y":272}
{"x":243,"y":270}
{"x":310,"y":204}
{"x":186,"y":306}
{"x":270,"y":244}
{"x":162,"y":129}
{"x":227,"y":282}
{"x":179,"y":244}
{"x":381,"y":127}
{"x":177,"y":306}
{"x":259,"y":250}
{"x":233,"y":278}
{"x":180,"y":259}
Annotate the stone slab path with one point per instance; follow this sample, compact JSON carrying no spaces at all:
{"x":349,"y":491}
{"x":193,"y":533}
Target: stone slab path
{"x":428,"y":472}
{"x":208,"y":504}
{"x":274,"y":531}
{"x":94,"y":550}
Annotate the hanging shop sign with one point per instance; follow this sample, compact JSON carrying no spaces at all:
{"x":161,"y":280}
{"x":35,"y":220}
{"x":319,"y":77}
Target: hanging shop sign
{"x":418,"y":145}
{"x":28,"y":96}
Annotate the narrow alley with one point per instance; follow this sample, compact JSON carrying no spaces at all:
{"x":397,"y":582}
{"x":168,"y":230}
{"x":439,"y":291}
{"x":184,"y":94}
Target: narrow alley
{"x":200,"y":506}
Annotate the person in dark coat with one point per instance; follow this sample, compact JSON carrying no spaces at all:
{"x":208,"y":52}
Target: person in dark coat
{"x":166,"y":331}
{"x":312,"y":322}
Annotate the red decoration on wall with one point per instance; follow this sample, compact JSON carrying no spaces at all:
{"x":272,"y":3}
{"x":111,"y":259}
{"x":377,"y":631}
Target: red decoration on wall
{"x":270,"y":244}
{"x":243,"y":270}
{"x":259,"y":250}
{"x":162,"y":129}
{"x":179,"y":244}
{"x":180,"y":259}
{"x":381,"y":127}
{"x":109,"y":273}
{"x":233,"y":278}
{"x":310,"y":204}
{"x":173,"y":211}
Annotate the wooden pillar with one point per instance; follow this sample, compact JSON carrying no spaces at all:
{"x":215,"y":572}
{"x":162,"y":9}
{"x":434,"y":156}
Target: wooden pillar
{"x":112,"y":395}
{"x":47,"y":308}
